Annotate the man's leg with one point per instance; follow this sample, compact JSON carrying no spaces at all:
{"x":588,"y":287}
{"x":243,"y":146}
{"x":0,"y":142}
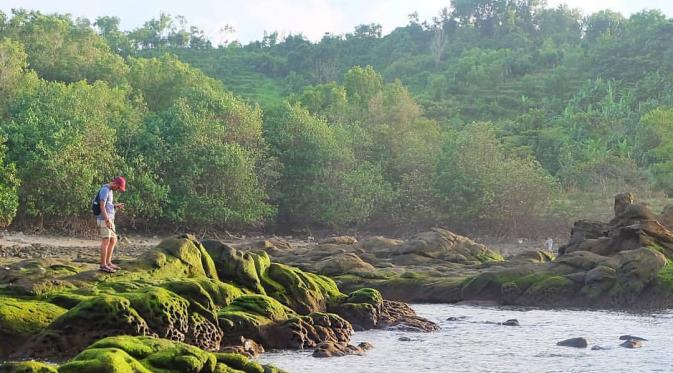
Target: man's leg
{"x":111,"y":247}
{"x":104,"y":251}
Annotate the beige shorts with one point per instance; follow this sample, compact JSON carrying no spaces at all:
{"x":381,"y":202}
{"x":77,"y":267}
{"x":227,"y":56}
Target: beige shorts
{"x":104,"y":231}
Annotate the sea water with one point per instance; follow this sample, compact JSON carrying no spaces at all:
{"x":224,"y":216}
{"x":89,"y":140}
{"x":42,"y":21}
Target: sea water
{"x":476,"y":342}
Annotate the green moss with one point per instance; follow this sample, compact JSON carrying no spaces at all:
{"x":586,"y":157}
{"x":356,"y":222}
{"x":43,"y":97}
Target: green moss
{"x":21,"y":319}
{"x":27,"y":367}
{"x":254,"y":310}
{"x":302,"y":291}
{"x":182,"y":358}
{"x":175,"y":258}
{"x":67,"y":299}
{"x":239,"y":362}
{"x":366,"y":295}
{"x":665,"y":276}
{"x":104,"y":312}
{"x":103,"y":360}
{"x":162,"y":310}
{"x":550,"y":283}
{"x":146,"y":354}
{"x":235,"y":266}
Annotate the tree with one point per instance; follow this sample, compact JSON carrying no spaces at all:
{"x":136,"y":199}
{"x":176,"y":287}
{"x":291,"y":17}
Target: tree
{"x":321,"y":182}
{"x":56,"y":136}
{"x":9,"y":183}
{"x":656,"y":146}
{"x":482,"y":183}
{"x":59,"y":49}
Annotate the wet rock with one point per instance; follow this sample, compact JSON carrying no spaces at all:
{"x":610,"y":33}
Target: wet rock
{"x":400,"y":316}
{"x":330,"y":349}
{"x":511,"y":322}
{"x":628,"y":337}
{"x":456,"y":318}
{"x":599,"y":348}
{"x":579,"y":342}
{"x":247,"y":347}
{"x":632,"y":343}
{"x":404,"y":339}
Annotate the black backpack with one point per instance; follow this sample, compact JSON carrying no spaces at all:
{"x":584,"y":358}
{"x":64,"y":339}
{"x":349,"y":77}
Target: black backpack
{"x":95,"y":204}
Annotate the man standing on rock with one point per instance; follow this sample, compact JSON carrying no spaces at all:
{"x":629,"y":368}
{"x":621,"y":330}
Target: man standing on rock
{"x":105,"y":221}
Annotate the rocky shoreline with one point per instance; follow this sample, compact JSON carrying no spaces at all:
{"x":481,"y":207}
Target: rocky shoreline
{"x":621,"y":264}
{"x":183,"y":306}
{"x":210,"y":305}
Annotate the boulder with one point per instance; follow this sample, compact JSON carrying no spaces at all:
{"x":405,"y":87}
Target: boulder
{"x":636,"y":270}
{"x":308,"y":331}
{"x":329,"y":349}
{"x":511,"y":322}
{"x":343,"y":264}
{"x":89,"y":321}
{"x":628,"y":337}
{"x":22,"y":319}
{"x":443,"y":244}
{"x":622,"y":201}
{"x":598,"y":281}
{"x":176,"y":257}
{"x":234,"y":265}
{"x":579,"y":342}
{"x":632,"y":343}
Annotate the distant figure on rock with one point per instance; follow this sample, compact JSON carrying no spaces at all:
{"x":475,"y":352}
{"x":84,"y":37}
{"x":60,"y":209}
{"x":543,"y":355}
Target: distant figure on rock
{"x":549,"y":244}
{"x":103,"y":207}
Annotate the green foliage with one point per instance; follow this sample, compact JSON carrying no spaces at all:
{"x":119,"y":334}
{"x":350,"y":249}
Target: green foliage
{"x":59,"y":139}
{"x":62,"y":49}
{"x":204,"y":145}
{"x":656,"y":146}
{"x":481,"y":181}
{"x":9,"y":183}
{"x":321,"y":181}
{"x":377,"y":128}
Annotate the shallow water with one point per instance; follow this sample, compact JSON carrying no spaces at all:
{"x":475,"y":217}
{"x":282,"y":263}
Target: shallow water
{"x":478,"y":344}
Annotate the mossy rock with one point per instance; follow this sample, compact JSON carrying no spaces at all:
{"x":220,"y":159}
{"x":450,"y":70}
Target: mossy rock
{"x":239,"y":362}
{"x":27,"y":367}
{"x":165,"y":312}
{"x":177,"y":257}
{"x":89,"y":321}
{"x":366,"y":295}
{"x":146,"y":354}
{"x":253,"y":311}
{"x":205,"y":295}
{"x":488,"y":286}
{"x":551,"y":291}
{"x":22,"y":319}
{"x":35,"y":277}
{"x":304,"y":292}
{"x":234,"y":265}
{"x":67,"y":299}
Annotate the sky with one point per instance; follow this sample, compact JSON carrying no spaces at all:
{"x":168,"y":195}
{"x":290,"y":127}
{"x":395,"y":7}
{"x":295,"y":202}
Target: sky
{"x":250,"y":18}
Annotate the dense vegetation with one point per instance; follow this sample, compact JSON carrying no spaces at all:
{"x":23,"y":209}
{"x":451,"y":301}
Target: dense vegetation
{"x":499,"y":115}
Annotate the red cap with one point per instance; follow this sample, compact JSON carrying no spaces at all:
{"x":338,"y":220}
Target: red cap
{"x":121,"y":183}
